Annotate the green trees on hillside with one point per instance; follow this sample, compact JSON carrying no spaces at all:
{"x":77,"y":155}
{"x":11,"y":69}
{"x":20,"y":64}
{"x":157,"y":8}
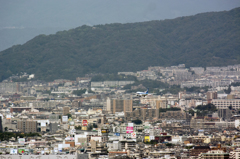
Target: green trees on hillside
{"x":209,"y":39}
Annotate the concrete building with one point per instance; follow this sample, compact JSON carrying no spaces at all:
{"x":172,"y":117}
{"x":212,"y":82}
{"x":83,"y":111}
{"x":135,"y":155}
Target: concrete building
{"x":235,"y":154}
{"x":225,"y":103}
{"x":224,"y":113}
{"x":142,"y":114}
{"x":211,"y":95}
{"x":95,"y":146}
{"x":53,"y":127}
{"x":119,"y":105}
{"x":27,"y":126}
{"x":214,"y":154}
{"x":66,"y":110}
{"x":77,"y":103}
{"x":178,"y":115}
{"x":161,"y":104}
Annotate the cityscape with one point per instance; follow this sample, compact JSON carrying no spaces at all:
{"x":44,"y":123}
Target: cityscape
{"x":104,"y":119}
{"x":104,"y":79}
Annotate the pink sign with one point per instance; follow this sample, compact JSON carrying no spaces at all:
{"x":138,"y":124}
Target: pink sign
{"x":129,"y":129}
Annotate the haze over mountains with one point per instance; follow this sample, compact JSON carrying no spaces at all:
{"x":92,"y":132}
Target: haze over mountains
{"x":208,"y":39}
{"x":22,"y":20}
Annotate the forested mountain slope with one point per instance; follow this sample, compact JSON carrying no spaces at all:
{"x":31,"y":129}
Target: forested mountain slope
{"x":207,"y":39}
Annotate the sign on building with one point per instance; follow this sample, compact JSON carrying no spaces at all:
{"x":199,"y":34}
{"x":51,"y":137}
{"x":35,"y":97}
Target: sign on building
{"x":129,"y":129}
{"x":21,"y":141}
{"x":105,"y":131}
{"x":128,"y":135}
{"x":133,"y":135}
{"x":64,"y":118}
{"x":117,"y":134}
{"x":130,"y":124}
{"x":152,"y":138}
{"x":21,"y":151}
{"x":84,"y":123}
{"x":13,"y":151}
{"x":8,"y":116}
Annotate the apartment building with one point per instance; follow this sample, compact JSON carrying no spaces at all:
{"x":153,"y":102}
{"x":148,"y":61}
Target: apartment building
{"x":66,"y":110}
{"x":211,"y":95}
{"x":142,"y":114}
{"x":178,"y":115}
{"x":27,"y":126}
{"x":161,"y":104}
{"x":119,"y":105}
{"x":225,"y":103}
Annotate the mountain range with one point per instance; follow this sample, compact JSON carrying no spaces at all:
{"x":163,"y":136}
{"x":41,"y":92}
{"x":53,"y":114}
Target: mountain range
{"x":206,"y":39}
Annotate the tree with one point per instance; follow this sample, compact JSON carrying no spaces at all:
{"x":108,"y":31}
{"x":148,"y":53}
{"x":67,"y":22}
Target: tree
{"x":228,"y":91}
{"x":69,"y":115}
{"x":78,"y":127}
{"x":79,"y":92}
{"x":203,"y":110}
{"x":95,"y":125}
{"x":6,"y":128}
{"x":137,"y":121}
{"x":191,"y":111}
{"x":90,"y":127}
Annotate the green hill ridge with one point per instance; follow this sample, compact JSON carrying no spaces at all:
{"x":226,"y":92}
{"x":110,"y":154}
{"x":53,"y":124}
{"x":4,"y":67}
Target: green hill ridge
{"x":207,"y":39}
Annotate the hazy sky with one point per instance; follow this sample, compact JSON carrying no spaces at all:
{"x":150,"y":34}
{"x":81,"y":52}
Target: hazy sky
{"x":22,"y":20}
{"x":73,"y":13}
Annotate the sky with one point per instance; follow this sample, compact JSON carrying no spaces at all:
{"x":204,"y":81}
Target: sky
{"x":73,"y":13}
{"x":21,"y":20}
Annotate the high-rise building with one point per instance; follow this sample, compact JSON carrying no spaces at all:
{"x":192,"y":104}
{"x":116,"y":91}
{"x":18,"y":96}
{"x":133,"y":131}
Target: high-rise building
{"x":53,"y":127}
{"x":225,"y":114}
{"x":211,"y":95}
{"x":119,"y":105}
{"x":161,"y":104}
{"x":1,"y":128}
{"x":66,"y":110}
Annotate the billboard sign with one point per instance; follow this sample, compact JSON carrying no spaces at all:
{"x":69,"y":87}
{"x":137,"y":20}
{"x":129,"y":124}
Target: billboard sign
{"x":69,"y":138}
{"x":84,"y":123}
{"x":64,"y":118}
{"x":129,"y":129}
{"x":128,"y":136}
{"x":105,"y":131}
{"x":133,"y":135}
{"x":43,"y":124}
{"x":21,"y":141}
{"x":8,"y":116}
{"x":130,"y":124}
{"x":60,"y":147}
{"x":21,"y":151}
{"x":152,"y":137}
{"x":71,"y":123}
{"x":13,"y":151}
{"x":117,"y":134}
